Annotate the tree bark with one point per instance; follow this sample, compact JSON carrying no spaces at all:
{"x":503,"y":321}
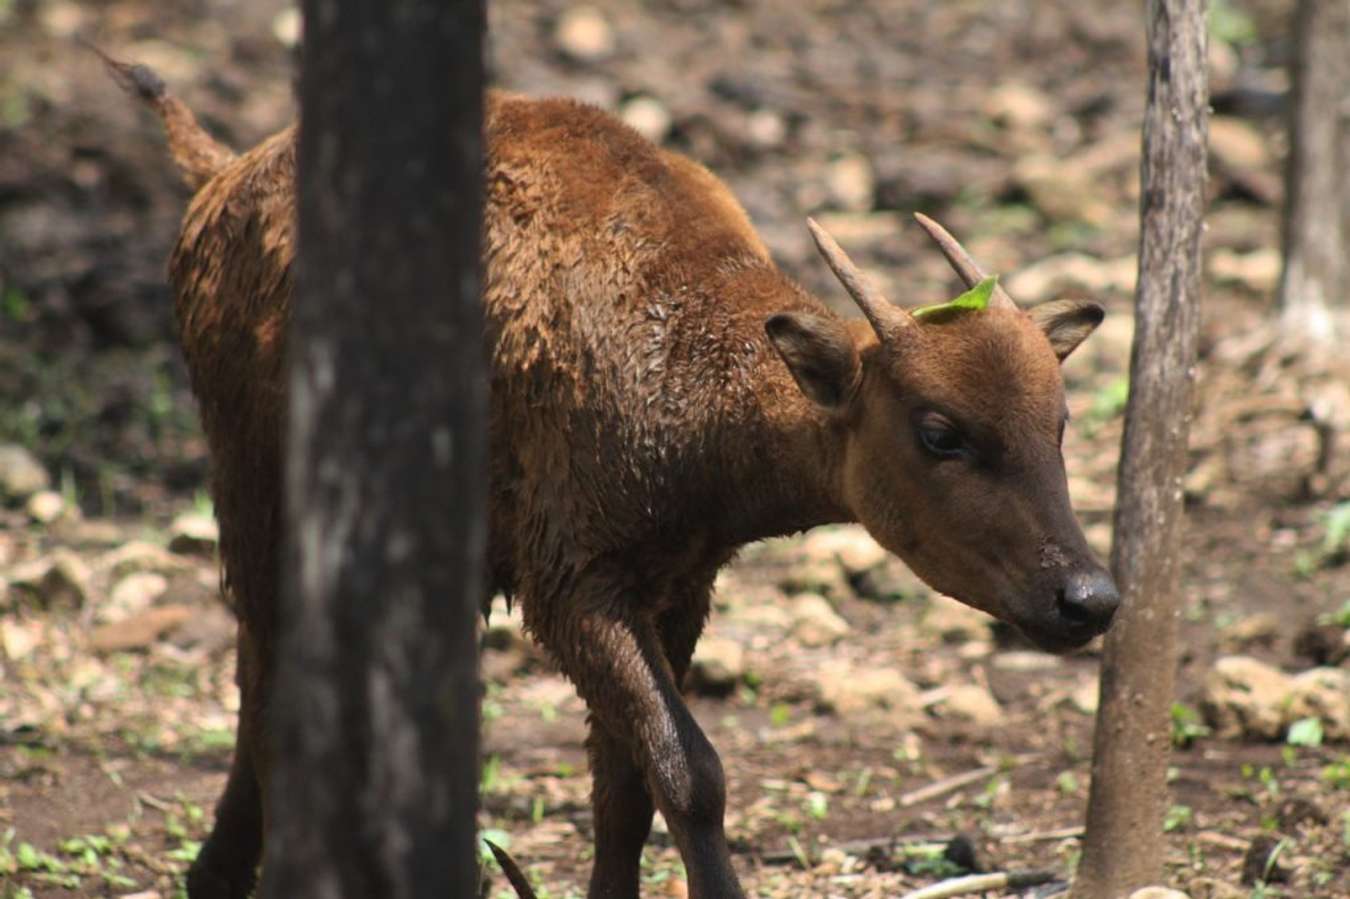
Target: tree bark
{"x":1317,"y":186}
{"x":1123,"y":847}
{"x":377,"y":695}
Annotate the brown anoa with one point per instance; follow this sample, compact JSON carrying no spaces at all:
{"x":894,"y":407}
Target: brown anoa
{"x":661,"y":394}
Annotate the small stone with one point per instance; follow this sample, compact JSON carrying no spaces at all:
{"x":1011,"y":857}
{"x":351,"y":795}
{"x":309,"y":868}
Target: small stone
{"x":134,"y":594}
{"x":973,"y":703}
{"x":1260,"y":629}
{"x":18,"y":639}
{"x":816,"y":575}
{"x":139,"y":631}
{"x":21,"y":474}
{"x":1322,"y":693}
{"x":814,"y":621}
{"x":1158,"y":893}
{"x":584,"y":34}
{"x":851,"y":183}
{"x":717,"y":667}
{"x":58,"y":580}
{"x":850,"y":545}
{"x":193,"y":534}
{"x":45,"y":506}
{"x":1020,"y":106}
{"x":1086,"y":696}
{"x":1245,"y":697}
{"x":648,"y":117}
{"x":766,"y":129}
{"x":288,"y":26}
{"x":845,"y":690}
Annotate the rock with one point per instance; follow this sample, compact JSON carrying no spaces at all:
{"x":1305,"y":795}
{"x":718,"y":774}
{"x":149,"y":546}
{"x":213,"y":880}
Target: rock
{"x":1322,"y":693}
{"x":21,"y":474}
{"x":193,"y":534}
{"x":845,"y":690}
{"x":584,"y":34}
{"x":816,"y":575}
{"x":58,"y":580}
{"x":139,"y":631}
{"x":139,"y":556}
{"x":18,"y":639}
{"x":1086,"y":696}
{"x":288,"y":26}
{"x":850,"y":546}
{"x":955,"y":622}
{"x":134,"y":594}
{"x":717,"y":667}
{"x":45,"y":506}
{"x":1236,"y":143}
{"x":1158,"y":893}
{"x":970,"y":702}
{"x":1260,"y":629}
{"x":1019,"y":106}
{"x":1258,"y":270}
{"x":1061,"y":192}
{"x":648,"y":117}
{"x":850,"y":183}
{"x":814,"y":620}
{"x":766,"y":129}
{"x":1245,"y":697}
{"x":1072,"y":272}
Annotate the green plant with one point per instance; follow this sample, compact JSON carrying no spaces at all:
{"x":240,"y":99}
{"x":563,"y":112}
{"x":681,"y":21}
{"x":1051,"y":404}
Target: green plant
{"x":1305,"y":732}
{"x":1178,"y":817}
{"x":1187,"y":725}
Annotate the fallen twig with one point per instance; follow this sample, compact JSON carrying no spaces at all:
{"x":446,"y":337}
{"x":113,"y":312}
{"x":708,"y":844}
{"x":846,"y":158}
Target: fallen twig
{"x":979,"y":883}
{"x":864,"y":847}
{"x":1062,"y":833}
{"x":947,"y":785}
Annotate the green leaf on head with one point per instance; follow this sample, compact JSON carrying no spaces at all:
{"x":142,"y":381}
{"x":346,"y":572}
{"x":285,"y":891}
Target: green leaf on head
{"x":975,"y":298}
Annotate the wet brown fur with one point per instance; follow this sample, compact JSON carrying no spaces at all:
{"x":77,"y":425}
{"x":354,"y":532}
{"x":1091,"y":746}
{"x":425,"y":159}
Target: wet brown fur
{"x":643,"y":427}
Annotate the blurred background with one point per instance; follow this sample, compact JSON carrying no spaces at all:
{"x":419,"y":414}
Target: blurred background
{"x":1016,"y":124}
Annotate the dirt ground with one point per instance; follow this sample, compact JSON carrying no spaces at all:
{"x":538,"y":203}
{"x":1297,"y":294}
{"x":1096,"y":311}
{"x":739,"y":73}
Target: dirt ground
{"x":876,"y":737}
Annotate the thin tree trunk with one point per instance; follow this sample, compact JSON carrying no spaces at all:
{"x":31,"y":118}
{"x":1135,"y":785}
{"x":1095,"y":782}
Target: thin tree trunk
{"x":376,"y":727}
{"x":1317,"y":187}
{"x":1123,"y":847}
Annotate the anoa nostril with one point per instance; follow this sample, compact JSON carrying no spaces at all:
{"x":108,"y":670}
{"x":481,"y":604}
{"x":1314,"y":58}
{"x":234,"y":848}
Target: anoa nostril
{"x":1088,"y":599}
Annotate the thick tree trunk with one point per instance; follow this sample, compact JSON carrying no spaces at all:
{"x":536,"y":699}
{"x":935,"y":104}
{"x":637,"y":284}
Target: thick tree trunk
{"x":1123,"y":848}
{"x":1317,"y":185}
{"x":376,"y":727}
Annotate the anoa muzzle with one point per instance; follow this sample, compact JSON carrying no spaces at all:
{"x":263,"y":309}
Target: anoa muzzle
{"x":952,"y":420}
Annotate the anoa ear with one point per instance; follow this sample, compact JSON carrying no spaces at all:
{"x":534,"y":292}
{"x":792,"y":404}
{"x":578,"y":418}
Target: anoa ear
{"x":1067,"y":323}
{"x":820,"y":354}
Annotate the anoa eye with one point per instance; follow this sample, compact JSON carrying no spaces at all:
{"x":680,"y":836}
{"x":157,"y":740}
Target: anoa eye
{"x":940,"y":438}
